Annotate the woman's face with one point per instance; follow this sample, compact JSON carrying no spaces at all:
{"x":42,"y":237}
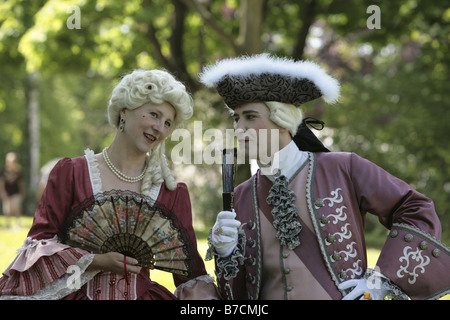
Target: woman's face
{"x":148,"y":125}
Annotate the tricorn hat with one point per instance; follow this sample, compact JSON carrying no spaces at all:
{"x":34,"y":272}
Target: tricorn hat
{"x":262,"y":78}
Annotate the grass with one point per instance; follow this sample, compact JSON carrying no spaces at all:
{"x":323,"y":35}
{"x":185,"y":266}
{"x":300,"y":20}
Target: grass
{"x":12,"y":239}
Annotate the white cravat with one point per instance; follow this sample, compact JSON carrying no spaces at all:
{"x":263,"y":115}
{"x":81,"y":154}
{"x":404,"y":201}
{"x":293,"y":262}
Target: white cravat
{"x":287,"y":161}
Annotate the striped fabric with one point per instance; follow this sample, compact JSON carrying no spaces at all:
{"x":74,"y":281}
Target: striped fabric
{"x":46,"y":270}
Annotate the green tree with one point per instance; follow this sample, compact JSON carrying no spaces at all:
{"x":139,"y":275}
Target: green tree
{"x":19,"y":94}
{"x":393,"y":107}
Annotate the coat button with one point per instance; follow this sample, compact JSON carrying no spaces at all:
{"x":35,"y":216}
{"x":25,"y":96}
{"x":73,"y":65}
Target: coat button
{"x":336,"y":256}
{"x":331,"y":238}
{"x":324,"y":220}
{"x":423,"y":245}
{"x":319,"y":203}
{"x":251,"y":261}
{"x":289,"y":288}
{"x":436,"y":253}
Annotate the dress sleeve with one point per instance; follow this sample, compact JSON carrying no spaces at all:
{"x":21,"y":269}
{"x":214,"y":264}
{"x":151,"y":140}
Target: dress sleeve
{"x":55,"y":203}
{"x":200,"y":285}
{"x":40,"y":269}
{"x":413,"y":258}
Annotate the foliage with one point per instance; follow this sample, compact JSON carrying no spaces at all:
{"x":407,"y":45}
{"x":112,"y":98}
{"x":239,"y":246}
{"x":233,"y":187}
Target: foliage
{"x":394,"y":93}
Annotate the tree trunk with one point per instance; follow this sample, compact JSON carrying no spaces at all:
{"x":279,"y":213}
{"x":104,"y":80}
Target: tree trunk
{"x":307,"y":17}
{"x":32,"y":141}
{"x":177,"y":57}
{"x":249,"y":43}
{"x":251,"y":27}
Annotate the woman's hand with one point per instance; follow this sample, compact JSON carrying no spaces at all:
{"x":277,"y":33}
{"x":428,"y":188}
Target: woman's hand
{"x":115,"y":262}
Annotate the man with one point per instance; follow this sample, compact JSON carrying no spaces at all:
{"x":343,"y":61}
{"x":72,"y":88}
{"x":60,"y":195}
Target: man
{"x":297,"y":229}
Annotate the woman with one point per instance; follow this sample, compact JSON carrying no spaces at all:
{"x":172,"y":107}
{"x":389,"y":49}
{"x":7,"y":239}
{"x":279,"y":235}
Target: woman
{"x":144,"y":107}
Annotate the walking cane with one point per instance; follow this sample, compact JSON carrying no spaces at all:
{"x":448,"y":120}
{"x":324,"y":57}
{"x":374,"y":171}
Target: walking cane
{"x":228,"y":171}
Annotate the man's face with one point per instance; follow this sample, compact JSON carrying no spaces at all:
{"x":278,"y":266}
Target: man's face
{"x":256,"y":133}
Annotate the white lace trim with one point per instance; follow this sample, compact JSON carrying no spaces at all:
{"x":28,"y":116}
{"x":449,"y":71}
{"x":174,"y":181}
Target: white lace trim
{"x":63,"y":286}
{"x":94,"y":172}
{"x":154,"y":192}
{"x":189,"y":284}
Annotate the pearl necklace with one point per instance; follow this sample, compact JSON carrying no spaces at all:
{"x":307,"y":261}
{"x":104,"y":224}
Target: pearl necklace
{"x":119,"y":174}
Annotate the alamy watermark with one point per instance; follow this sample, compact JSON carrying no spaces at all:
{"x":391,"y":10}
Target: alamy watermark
{"x":205,"y":147}
{"x":74,"y":20}
{"x":375,"y":279}
{"x":192,"y":149}
{"x":374,"y":20}
{"x":73,"y":281}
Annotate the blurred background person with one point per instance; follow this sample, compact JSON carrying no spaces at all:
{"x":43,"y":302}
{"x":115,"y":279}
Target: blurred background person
{"x":12,"y":188}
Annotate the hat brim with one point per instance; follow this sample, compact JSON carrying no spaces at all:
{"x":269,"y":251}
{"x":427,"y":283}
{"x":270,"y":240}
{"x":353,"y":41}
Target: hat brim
{"x":265,"y":78}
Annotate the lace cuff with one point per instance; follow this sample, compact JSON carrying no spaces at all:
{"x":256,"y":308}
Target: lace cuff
{"x":227,"y":267}
{"x":385,"y":284}
{"x":200,"y":288}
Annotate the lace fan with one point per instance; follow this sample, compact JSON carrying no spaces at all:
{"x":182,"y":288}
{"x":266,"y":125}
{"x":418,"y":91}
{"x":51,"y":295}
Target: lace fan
{"x":133,"y":225}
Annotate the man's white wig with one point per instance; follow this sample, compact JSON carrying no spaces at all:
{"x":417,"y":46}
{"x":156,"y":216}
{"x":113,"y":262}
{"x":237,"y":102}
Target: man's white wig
{"x":156,"y":86}
{"x":281,"y":83}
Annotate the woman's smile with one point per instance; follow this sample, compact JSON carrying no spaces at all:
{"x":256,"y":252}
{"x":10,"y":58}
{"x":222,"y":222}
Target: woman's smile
{"x":150,"y":137}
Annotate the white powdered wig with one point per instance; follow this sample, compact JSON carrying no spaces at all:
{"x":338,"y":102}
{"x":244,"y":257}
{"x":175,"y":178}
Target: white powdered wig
{"x":285,"y":115}
{"x":264,"y":63}
{"x":156,"y":86}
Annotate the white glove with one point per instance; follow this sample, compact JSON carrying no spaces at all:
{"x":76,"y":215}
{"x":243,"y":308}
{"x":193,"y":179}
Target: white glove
{"x":225,"y":233}
{"x":372,"y":285}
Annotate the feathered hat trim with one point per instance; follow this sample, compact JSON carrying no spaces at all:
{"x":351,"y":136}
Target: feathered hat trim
{"x":262,"y":77}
